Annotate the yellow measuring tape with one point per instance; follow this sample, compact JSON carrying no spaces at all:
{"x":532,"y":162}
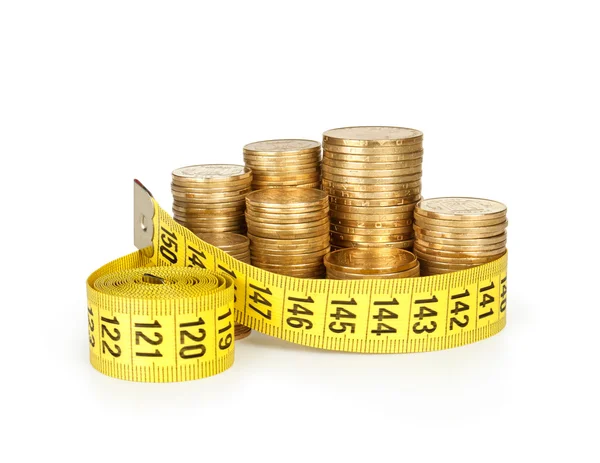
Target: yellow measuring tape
{"x":166,"y":312}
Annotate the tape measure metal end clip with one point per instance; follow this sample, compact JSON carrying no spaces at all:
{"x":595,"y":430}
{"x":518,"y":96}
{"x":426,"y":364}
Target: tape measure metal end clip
{"x":143,"y":214}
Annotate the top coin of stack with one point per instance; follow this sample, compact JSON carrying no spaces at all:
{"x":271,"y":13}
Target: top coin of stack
{"x":365,"y":263}
{"x":458,"y":233}
{"x":279,"y":163}
{"x":288,"y":230}
{"x":373,"y":178}
{"x":210,"y":198}
{"x":238,"y":247}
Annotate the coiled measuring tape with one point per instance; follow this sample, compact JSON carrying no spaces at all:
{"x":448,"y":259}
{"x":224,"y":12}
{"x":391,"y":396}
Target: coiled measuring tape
{"x":167,"y":312}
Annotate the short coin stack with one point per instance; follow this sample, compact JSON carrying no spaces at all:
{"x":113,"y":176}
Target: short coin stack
{"x":279,"y":163}
{"x":210,"y":198}
{"x":458,"y":233}
{"x":373,"y":177}
{"x":288,"y":230}
{"x":238,"y":247}
{"x":364,"y":263}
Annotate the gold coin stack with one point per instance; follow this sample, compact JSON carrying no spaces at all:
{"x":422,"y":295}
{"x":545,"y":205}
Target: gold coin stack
{"x":279,"y":163}
{"x":373,"y":178}
{"x":288,"y":230}
{"x":210,"y":198}
{"x":364,"y":263}
{"x":238,"y":247}
{"x":458,"y":233}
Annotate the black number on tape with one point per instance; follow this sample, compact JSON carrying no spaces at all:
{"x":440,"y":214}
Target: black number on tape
{"x":299,"y":309}
{"x":169,"y":246}
{"x":115,"y":336}
{"x":196,"y":350}
{"x":141,"y":336}
{"x":342,"y":312}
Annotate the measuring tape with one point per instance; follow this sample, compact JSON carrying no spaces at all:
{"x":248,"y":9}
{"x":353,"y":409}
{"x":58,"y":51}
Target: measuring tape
{"x":166,"y":312}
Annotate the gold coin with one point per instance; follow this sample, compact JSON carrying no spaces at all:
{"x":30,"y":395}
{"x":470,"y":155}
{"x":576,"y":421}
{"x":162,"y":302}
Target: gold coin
{"x":316,"y":185}
{"x":397,"y":195}
{"x":372,"y":136}
{"x":312,"y":274}
{"x":283,"y":158}
{"x":276,"y":147}
{"x":444,"y":266}
{"x":467,"y":223}
{"x":201,"y":212}
{"x":282,"y":184}
{"x":210,"y":223}
{"x":377,"y":188}
{"x":259,"y":166}
{"x":383,"y":210}
{"x":289,"y":197}
{"x":211,"y":173}
{"x":489,"y":230}
{"x":366,"y":217}
{"x":335,"y":236}
{"x":368,"y":166}
{"x":407,"y":244}
{"x":212,"y":190}
{"x":289,"y":234}
{"x":459,"y":248}
{"x":227,"y":241}
{"x":372,"y":231}
{"x":486,"y":241}
{"x":276,"y":266}
{"x":285,"y":171}
{"x":368,"y":155}
{"x":241,"y":332}
{"x":456,"y":208}
{"x":370,"y":261}
{"x":309,"y":254}
{"x":288,"y":226}
{"x":210,"y":194}
{"x":462,"y":260}
{"x":288,"y":249}
{"x":456,"y":255}
{"x":371,"y":180}
{"x":372,"y":172}
{"x":197,"y":230}
{"x":291,"y":260}
{"x":290,"y":176}
{"x":288,"y":219}
{"x":291,"y":213}
{"x":454,"y":236}
{"x":372,"y":225}
{"x":411,"y":273}
{"x":371,"y":203}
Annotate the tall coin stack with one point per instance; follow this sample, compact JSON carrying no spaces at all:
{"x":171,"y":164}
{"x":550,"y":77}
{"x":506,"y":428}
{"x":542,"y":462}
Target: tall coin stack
{"x":288,"y":230}
{"x":373,"y":178}
{"x":238,"y":247}
{"x":279,"y":163}
{"x":458,"y":233}
{"x":210,"y":198}
{"x":364,"y":263}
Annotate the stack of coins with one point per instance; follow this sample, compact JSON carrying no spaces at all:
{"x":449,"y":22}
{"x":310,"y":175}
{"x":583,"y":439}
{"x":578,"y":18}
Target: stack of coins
{"x":238,"y":247}
{"x":373,"y":177}
{"x":288,"y":230}
{"x":279,"y":163}
{"x":363,"y":263}
{"x":458,"y":233}
{"x":210,"y":198}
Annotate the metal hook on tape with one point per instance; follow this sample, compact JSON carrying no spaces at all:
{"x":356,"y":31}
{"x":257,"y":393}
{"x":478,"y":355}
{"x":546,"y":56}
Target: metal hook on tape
{"x":143,"y":215}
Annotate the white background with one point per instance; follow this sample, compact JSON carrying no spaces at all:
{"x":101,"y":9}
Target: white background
{"x":94,"y":94}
